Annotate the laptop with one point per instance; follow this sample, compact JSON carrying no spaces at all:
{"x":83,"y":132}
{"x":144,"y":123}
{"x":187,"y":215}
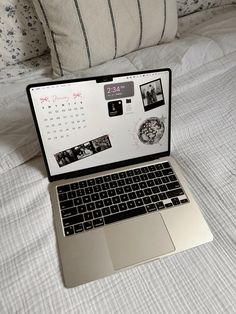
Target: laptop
{"x":118,"y":197}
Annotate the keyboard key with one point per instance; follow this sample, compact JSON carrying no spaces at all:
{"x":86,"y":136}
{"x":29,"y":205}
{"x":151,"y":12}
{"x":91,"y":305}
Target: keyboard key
{"x":158,"y":166}
{"x":124,"y":198}
{"x":78,"y":201}
{"x":122,"y":175}
{"x":151,"y":168}
{"x":172,"y":177}
{"x":97,"y":213}
{"x":115,"y":176}
{"x":137,"y":171}
{"x":125,"y":214}
{"x":151,"y":207}
{"x":88,"y":216}
{"x":136,"y":179}
{"x":147,"y":200}
{"x":89,"y":190}
{"x":63,"y":188}
{"x":66,"y":204}
{"x":99,"y":204}
{"x":173,"y":185}
{"x":69,"y":231}
{"x":106,"y":211}
{"x":174,"y":193}
{"x":127,"y":189}
{"x":163,"y":188}
{"x":114,"y":208}
{"x":111,"y":193}
{"x":71,"y":194}
{"x":105,"y":186}
{"x":107,"y":202}
{"x":162,"y":196}
{"x":130,"y":173}
{"x":168,"y":205}
{"x":144,"y":170}
{"x":98,"y":222}
{"x":73,"y":220}
{"x":90,"y":206}
{"x":158,"y":174}
{"x":99,"y":180}
{"x":113,"y":184}
{"x":154,"y":198}
{"x":166,"y":172}
{"x":81,"y":209}
{"x":68,"y":212}
{"x":143,"y":185}
{"x":121,"y":182}
{"x":140,"y":193}
{"x":103,"y":194}
{"x":131,"y":204}
{"x":184,"y":201}
{"x":115,"y":199}
{"x":91,"y":182}
{"x":150,"y":183}
{"x":83,"y":184}
{"x":158,"y":181}
{"x":128,"y":181}
{"x":138,"y":202}
{"x":80,"y":192}
{"x":144,"y":177}
{"x":107,"y":178}
{"x":62,"y":197}
{"x":122,"y":206}
{"x":155,"y":190}
{"x":132,"y":195}
{"x":119,"y":191}
{"x":135,"y":187}
{"x":86,"y":199}
{"x":88,"y":225}
{"x":147,"y":191}
{"x":160,"y":205}
{"x":74,"y":186}
{"x":97,"y":188}
{"x":151,"y":175}
{"x":175,"y":201}
{"x":165,"y":179}
{"x":78,"y":228}
{"x":95,"y":197}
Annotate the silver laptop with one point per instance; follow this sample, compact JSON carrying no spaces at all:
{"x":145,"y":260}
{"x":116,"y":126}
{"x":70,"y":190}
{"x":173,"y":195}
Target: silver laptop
{"x":118,"y":198}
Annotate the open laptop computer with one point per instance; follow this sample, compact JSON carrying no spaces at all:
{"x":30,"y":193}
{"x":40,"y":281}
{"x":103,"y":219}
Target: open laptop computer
{"x":118,"y":198}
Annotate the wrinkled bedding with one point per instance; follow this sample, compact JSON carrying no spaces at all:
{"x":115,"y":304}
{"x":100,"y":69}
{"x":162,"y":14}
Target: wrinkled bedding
{"x":201,"y":280}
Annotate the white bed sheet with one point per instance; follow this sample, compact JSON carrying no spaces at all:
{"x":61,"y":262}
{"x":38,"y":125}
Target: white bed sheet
{"x":201,"y":280}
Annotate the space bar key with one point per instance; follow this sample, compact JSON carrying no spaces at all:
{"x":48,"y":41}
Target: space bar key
{"x":125,"y":214}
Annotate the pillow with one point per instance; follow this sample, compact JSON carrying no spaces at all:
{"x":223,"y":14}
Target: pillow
{"x":186,"y":7}
{"x":84,"y":33}
{"x":21,"y":33}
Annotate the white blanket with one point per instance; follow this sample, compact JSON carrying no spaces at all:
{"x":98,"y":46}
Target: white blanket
{"x":201,"y":280}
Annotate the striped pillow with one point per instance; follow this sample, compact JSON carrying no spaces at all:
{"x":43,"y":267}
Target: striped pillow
{"x":84,"y":33}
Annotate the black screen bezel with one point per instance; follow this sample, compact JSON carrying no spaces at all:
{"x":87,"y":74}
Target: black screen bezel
{"x":102,"y":79}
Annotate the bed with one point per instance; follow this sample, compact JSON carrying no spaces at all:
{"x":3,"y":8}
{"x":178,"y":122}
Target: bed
{"x":200,"y":280}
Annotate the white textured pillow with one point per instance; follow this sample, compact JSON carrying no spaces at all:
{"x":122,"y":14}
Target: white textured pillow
{"x":84,"y":33}
{"x":21,"y":33}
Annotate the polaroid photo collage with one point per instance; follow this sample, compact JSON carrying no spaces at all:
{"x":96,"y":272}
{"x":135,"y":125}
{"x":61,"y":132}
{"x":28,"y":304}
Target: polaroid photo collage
{"x":150,"y":131}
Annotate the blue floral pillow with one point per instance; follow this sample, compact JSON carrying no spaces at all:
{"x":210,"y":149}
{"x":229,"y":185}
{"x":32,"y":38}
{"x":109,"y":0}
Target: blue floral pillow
{"x":186,"y":7}
{"x":21,"y":33}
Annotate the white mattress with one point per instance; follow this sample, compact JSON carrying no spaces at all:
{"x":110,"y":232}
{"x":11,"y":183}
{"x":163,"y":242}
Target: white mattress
{"x":201,"y":280}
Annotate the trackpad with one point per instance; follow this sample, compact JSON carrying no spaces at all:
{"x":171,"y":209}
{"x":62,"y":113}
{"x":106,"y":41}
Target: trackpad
{"x":137,"y":240}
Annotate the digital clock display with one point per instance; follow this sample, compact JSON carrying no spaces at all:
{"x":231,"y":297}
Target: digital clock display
{"x":119,"y":90}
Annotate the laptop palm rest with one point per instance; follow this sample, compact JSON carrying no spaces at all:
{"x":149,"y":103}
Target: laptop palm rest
{"x":137,"y":240}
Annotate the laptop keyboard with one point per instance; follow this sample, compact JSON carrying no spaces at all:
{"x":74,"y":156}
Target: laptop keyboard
{"x":93,"y":203}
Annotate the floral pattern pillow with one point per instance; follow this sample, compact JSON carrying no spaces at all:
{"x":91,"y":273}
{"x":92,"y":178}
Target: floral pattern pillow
{"x":21,"y":33}
{"x":186,"y":7}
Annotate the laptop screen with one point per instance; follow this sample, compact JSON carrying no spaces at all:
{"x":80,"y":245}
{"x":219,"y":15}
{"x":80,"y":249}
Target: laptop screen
{"x":90,"y":123}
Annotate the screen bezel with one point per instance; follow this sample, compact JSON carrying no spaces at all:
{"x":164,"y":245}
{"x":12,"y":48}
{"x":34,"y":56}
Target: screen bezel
{"x":99,"y":79}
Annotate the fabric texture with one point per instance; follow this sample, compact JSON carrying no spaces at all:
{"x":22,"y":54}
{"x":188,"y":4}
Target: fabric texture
{"x":186,"y":7}
{"x":21,"y":33}
{"x":84,"y":33}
